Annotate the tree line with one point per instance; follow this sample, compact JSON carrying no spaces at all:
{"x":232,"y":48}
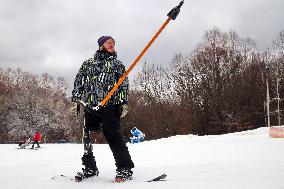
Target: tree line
{"x":29,"y":103}
{"x":219,"y":87}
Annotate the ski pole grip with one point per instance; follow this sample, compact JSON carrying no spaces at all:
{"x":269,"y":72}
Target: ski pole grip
{"x":96,"y":108}
{"x":175,"y":11}
{"x":85,"y":105}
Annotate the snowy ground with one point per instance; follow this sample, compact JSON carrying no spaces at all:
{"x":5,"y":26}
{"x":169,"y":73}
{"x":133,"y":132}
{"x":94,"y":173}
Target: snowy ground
{"x":234,"y":161}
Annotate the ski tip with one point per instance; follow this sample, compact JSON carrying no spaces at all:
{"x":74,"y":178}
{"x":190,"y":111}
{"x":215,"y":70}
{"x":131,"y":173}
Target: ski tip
{"x":77,"y":179}
{"x":61,"y":176}
{"x":159,"y":178}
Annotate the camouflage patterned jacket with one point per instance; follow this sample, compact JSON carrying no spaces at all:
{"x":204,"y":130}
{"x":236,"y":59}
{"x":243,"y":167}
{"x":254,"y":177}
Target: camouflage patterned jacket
{"x":96,"y":78}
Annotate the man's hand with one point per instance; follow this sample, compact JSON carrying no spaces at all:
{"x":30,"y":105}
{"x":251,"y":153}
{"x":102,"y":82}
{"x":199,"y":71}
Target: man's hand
{"x":73,"y":105}
{"x":77,"y":107}
{"x":89,"y":109}
{"x":123,"y":110}
{"x":74,"y":99}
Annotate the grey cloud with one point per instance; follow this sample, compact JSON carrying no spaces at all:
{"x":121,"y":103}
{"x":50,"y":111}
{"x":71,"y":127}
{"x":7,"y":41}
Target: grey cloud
{"x":55,"y":36}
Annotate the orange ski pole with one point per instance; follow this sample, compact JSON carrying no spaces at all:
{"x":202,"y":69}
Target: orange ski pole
{"x":172,"y":16}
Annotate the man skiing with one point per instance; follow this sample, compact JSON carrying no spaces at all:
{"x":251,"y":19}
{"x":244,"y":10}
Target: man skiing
{"x":95,"y":79}
{"x":36,"y":139}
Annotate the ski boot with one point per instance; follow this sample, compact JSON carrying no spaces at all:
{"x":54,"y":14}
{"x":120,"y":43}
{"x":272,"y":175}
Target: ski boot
{"x":123,"y":174}
{"x":90,"y":169}
{"x":86,"y":173}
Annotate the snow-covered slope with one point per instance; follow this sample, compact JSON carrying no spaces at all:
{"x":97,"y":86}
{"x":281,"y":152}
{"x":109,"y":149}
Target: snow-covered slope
{"x":241,"y":160}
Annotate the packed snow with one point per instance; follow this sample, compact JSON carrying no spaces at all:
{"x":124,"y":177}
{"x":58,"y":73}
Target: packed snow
{"x":247,"y":159}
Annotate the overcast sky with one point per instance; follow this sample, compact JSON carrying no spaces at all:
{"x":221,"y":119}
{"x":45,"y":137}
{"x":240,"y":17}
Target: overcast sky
{"x":56,"y":36}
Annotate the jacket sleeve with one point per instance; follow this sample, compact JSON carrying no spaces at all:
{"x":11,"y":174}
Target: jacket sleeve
{"x":124,"y":87}
{"x":79,"y":82}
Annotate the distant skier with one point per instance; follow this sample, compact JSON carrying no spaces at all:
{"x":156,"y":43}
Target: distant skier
{"x":36,"y":139}
{"x":95,"y":79}
{"x":24,"y":142}
{"x":137,"y":136}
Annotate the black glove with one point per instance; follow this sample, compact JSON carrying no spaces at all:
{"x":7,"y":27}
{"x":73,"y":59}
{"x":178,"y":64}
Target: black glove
{"x":89,"y":109}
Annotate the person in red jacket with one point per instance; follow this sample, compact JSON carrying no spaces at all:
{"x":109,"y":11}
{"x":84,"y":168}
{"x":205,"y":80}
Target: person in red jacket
{"x":36,"y":139}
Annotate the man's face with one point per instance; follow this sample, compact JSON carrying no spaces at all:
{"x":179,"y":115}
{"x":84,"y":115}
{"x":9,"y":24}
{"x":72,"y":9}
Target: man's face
{"x":109,"y":45}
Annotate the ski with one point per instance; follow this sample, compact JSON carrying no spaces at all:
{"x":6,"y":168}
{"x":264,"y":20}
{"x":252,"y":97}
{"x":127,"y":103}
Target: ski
{"x":62,"y":176}
{"x":159,"y":178}
{"x":26,"y":148}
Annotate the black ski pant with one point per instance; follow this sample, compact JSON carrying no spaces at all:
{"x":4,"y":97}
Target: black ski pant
{"x":35,"y":142}
{"x":107,"y":119}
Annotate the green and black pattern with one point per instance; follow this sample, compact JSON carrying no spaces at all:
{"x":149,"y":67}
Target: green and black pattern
{"x":97,"y":76}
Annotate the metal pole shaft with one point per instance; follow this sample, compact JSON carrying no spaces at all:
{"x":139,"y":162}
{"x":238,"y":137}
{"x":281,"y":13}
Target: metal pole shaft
{"x":278,"y":96}
{"x":267,"y":103}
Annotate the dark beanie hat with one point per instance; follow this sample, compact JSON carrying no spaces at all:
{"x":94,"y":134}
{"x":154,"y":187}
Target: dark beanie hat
{"x":103,"y":39}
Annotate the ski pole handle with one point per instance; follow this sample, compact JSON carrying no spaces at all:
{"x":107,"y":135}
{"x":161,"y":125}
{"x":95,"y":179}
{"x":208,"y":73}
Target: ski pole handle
{"x":175,"y":11}
{"x":85,"y":105}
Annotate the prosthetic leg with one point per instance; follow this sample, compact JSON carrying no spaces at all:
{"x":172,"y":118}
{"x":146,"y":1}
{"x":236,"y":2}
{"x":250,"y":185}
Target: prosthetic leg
{"x":88,"y":159}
